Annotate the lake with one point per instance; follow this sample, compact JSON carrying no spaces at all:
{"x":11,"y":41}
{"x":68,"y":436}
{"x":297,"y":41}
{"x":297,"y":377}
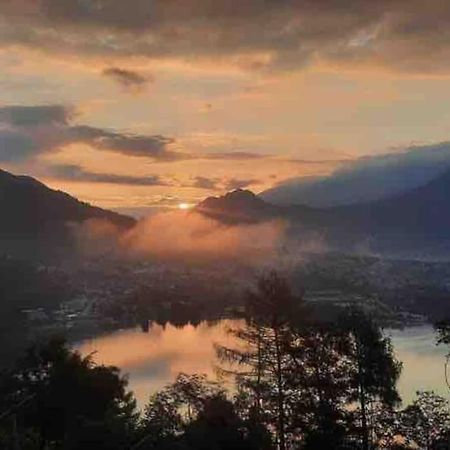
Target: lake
{"x":155,"y":358}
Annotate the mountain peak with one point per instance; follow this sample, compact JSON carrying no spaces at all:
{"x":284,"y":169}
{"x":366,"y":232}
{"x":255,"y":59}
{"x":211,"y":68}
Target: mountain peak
{"x":233,"y":199}
{"x":241,"y":194}
{"x":240,"y":205}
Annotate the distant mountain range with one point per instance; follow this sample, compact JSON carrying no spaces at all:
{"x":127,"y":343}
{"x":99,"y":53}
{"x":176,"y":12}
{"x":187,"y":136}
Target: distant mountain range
{"x":417,"y":221}
{"x":37,"y":218}
{"x":365,"y":179}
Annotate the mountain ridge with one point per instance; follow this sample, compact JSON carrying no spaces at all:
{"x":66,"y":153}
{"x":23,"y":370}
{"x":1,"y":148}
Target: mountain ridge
{"x":417,"y":218}
{"x":37,"y":216}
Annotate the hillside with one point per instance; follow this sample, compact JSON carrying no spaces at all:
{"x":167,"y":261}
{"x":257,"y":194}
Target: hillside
{"x":418,"y":220}
{"x":35,"y":216}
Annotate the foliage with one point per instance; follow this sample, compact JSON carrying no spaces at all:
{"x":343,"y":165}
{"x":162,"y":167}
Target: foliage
{"x":304,"y":378}
{"x":375,"y":371}
{"x":194,"y":413}
{"x":427,"y":420}
{"x":443,"y":338}
{"x":171,"y":409}
{"x":69,"y":401}
{"x":299,"y":384}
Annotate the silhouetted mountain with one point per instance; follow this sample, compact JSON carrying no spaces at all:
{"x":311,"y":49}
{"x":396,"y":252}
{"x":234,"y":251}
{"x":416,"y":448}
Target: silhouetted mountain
{"x":239,"y":206}
{"x":419,"y":218}
{"x":423,"y":212}
{"x":35,"y":216}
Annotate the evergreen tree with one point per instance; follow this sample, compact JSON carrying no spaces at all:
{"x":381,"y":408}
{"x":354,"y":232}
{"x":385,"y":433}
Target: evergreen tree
{"x":68,"y":401}
{"x":264,"y":364}
{"x":375,"y":370}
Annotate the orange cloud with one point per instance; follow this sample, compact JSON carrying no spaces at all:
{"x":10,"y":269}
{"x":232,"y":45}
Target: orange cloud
{"x":188,"y":235}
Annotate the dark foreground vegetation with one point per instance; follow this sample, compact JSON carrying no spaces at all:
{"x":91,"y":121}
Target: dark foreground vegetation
{"x":297,"y":384}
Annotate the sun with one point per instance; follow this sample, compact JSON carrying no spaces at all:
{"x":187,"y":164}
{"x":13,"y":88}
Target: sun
{"x":184,"y":206}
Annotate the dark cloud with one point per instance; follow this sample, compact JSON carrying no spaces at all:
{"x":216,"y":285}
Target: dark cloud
{"x":235,"y":183}
{"x":200,"y":182}
{"x":135,"y":145}
{"x":233,"y":156}
{"x":77,"y":173}
{"x":35,"y":115}
{"x":317,"y":162}
{"x":15,"y":146}
{"x":128,"y":79}
{"x":27,"y":131}
{"x":127,"y":144}
{"x":220,"y":184}
{"x":408,"y":35}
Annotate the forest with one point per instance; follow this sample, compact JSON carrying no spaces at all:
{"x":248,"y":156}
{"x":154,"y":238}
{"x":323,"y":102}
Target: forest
{"x":292,"y":382}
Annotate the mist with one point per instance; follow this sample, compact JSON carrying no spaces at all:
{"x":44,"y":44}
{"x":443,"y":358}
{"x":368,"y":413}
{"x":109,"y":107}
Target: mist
{"x":184,"y":237}
{"x":190,"y":236}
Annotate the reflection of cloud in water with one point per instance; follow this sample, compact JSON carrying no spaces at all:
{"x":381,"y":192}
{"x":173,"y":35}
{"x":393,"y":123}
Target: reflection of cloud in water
{"x":155,"y":368}
{"x":152,"y":359}
{"x":155,"y":358}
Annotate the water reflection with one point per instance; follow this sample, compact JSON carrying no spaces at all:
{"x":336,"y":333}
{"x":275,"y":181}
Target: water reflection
{"x":152,"y":359}
{"x":423,"y":361}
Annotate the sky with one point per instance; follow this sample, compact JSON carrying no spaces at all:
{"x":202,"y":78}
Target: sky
{"x":153,"y":103}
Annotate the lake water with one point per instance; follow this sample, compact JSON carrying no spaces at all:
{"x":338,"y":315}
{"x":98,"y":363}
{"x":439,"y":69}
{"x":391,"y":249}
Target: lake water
{"x":155,"y":358}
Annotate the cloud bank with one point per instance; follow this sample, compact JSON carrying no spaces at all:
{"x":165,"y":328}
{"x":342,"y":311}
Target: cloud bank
{"x":402,"y":35}
{"x":29,"y":131}
{"x":177,"y":236}
{"x":366,"y":179}
{"x":73,"y":172}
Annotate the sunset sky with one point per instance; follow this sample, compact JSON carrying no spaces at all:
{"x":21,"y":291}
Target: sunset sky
{"x":144,"y":103}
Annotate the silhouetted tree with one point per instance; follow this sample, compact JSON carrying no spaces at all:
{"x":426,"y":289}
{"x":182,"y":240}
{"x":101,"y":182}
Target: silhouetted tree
{"x":375,"y":369}
{"x":172,"y":408}
{"x":443,"y":338}
{"x":193,"y":413}
{"x":219,"y":427}
{"x":70,"y":401}
{"x":264,"y":364}
{"x":319,"y":384}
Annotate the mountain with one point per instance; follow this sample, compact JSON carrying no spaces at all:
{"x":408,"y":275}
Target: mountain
{"x":37,"y":217}
{"x":417,"y":220}
{"x":366,"y":179}
{"x":239,"y":206}
{"x":423,"y":211}
{"x":243,"y":206}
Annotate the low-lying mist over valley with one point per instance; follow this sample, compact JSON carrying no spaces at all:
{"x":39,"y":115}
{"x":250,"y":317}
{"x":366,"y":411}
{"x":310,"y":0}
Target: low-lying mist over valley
{"x":99,"y":270}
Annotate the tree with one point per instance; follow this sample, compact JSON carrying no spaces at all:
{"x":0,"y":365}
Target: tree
{"x":194,"y":413}
{"x":219,"y":427}
{"x":319,"y":384}
{"x":262,"y":360}
{"x":178,"y":404}
{"x":70,"y":401}
{"x":427,"y":421}
{"x":375,"y":369}
{"x":443,"y":338}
